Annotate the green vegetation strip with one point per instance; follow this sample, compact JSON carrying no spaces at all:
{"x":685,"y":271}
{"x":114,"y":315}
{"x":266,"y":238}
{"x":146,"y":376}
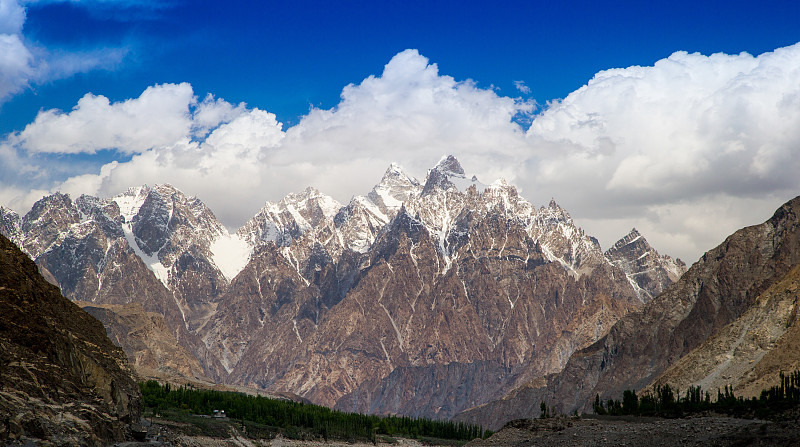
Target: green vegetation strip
{"x":774,"y":403}
{"x":297,"y":419}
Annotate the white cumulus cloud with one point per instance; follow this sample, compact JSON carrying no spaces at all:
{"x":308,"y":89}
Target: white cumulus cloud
{"x":691,"y":129}
{"x":160,"y":116}
{"x":687,"y":150}
{"x":409,"y":114}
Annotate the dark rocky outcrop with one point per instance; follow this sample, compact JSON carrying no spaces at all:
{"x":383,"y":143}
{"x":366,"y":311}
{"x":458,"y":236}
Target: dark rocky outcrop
{"x":62,"y":379}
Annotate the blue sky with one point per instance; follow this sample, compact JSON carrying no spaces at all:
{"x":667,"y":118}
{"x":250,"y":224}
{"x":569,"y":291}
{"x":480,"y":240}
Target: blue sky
{"x":285,"y":56}
{"x":498,"y":66}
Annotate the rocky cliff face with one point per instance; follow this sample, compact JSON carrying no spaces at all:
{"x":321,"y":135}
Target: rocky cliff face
{"x":359,"y":306}
{"x":721,"y":287}
{"x":147,"y":341}
{"x":62,"y":379}
{"x":150,"y":246}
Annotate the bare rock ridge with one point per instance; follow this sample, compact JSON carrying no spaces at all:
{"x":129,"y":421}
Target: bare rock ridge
{"x":723,"y":287}
{"x":362,"y":306}
{"x":650,"y":272}
{"x":61,"y":378}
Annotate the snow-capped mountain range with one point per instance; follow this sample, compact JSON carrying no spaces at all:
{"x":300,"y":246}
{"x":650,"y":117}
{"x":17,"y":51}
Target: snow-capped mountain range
{"x":266,"y":305}
{"x":160,"y":223}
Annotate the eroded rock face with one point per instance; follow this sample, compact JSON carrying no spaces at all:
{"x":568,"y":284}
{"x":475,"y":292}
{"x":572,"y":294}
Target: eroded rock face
{"x":10,"y":224}
{"x":148,"y":342}
{"x":492,"y":307}
{"x":62,"y":378}
{"x":718,"y":289}
{"x":91,"y":248}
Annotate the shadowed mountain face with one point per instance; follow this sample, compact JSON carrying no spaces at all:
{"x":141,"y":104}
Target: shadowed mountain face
{"x":364,"y":306}
{"x":717,"y":290}
{"x":62,"y":378}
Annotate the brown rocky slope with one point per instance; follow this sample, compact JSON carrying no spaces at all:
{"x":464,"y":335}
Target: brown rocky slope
{"x":62,"y":379}
{"x":149,"y":344}
{"x":751,"y":352}
{"x":715,"y":291}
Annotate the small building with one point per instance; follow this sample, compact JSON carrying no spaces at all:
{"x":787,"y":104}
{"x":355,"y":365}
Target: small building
{"x":220,"y":414}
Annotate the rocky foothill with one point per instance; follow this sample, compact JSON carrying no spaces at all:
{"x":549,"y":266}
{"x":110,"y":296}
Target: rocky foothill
{"x":62,"y":381}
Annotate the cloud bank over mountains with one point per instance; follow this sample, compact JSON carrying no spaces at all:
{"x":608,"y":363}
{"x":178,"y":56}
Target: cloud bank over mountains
{"x":686,"y":150}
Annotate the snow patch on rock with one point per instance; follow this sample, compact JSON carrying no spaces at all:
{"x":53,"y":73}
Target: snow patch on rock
{"x":230,"y":253}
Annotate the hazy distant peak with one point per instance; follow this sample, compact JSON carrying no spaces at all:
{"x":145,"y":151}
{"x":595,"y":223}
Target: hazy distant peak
{"x":448,"y":164}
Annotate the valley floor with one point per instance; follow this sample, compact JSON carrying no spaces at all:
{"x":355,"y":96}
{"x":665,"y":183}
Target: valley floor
{"x":229,"y":433}
{"x":646,"y":432}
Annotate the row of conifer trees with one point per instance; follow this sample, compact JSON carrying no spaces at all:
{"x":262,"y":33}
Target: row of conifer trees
{"x":288,"y":415}
{"x":666,"y":402}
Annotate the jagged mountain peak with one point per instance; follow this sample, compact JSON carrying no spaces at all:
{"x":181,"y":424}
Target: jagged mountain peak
{"x":448,"y":174}
{"x":395,"y":172}
{"x":291,"y":218}
{"x":307,"y":193}
{"x":395,"y":188}
{"x":309,"y":198}
{"x":553,"y":213}
{"x":131,"y":200}
{"x":57,"y":200}
{"x":632,"y":237}
{"x":648,"y":271}
{"x":448,"y":164}
{"x":358,"y":223}
{"x":501,"y":186}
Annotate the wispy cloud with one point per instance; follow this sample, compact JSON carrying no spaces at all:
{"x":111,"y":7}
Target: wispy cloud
{"x":524,"y":89}
{"x":24,"y":63}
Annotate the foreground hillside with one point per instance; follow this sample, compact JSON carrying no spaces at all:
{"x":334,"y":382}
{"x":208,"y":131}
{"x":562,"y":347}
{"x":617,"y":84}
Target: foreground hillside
{"x":61,"y":378}
{"x":421,"y":297}
{"x":717,"y":290}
